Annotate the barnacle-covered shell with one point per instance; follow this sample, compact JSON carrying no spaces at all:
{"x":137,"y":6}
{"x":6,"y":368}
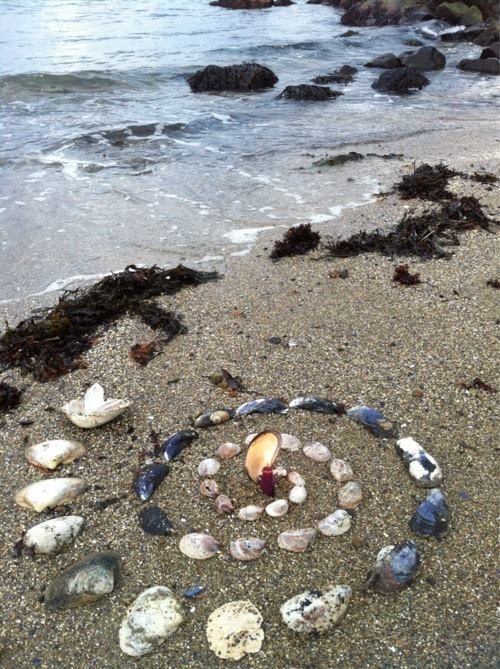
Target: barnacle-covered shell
{"x":289,"y":442}
{"x":223,"y":504}
{"x":93,"y":410}
{"x":297,"y":541}
{"x":48,"y":493}
{"x":198,"y":546}
{"x":350,"y":495}
{"x":395,"y":568}
{"x":247,"y":549}
{"x":264,"y":405}
{"x":316,"y":451}
{"x":337,"y":523}
{"x":298,"y":494}
{"x":50,"y":454}
{"x":316,"y":611}
{"x":432,"y":517}
{"x":212,"y":418}
{"x":421,"y":466}
{"x":235,"y":629}
{"x":277,"y":508}
{"x":250,"y":512}
{"x":341,"y":470}
{"x":374,"y":421}
{"x":262,"y":452}
{"x":209,"y":488}
{"x":53,"y":535}
{"x":317,"y":404}
{"x":208,"y":467}
{"x":153,"y":617}
{"x":296,"y":479}
{"x":228,"y":450}
{"x":149,"y":479}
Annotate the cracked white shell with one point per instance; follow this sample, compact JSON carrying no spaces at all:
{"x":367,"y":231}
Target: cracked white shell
{"x":93,"y":410}
{"x":50,"y":454}
{"x":337,"y":523}
{"x":48,"y":493}
{"x":235,"y":629}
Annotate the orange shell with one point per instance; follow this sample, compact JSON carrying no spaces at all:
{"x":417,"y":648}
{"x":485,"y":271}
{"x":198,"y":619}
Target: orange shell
{"x":262,"y":452}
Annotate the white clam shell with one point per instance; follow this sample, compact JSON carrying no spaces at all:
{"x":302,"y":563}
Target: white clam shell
{"x":250,"y":512}
{"x":228,"y":450}
{"x":350,"y":495}
{"x":48,"y":493}
{"x":295,"y":478}
{"x":341,"y":470}
{"x":53,"y":535}
{"x":298,"y":494}
{"x":93,"y":410}
{"x":289,"y":442}
{"x":337,"y":523}
{"x":235,"y":629}
{"x":223,"y":504}
{"x":247,"y":549}
{"x":208,"y":467}
{"x":316,"y":451}
{"x":277,"y":508}
{"x":209,"y":488}
{"x":297,"y":541}
{"x":198,"y":546}
{"x":50,"y":454}
{"x":153,"y":617}
{"x":316,"y":611}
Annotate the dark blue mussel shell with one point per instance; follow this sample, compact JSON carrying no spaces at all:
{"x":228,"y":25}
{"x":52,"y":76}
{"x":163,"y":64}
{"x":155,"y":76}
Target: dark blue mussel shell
{"x":432,"y":517}
{"x":374,"y":421}
{"x":155,"y":521}
{"x":149,"y":479}
{"x":396,"y":570}
{"x":263,"y":405}
{"x":193,"y":592}
{"x":177,"y":442}
{"x":317,"y":404}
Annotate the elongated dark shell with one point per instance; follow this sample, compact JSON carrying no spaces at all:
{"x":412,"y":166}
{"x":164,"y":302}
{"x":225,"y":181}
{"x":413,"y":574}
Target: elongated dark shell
{"x":421,"y":465}
{"x":216,"y":417}
{"x":317,"y":404}
{"x":193,"y":592}
{"x":155,"y":521}
{"x":374,"y":421}
{"x":264,"y":405}
{"x":149,"y":479}
{"x":177,"y":442}
{"x":395,"y":568}
{"x":431,"y":519}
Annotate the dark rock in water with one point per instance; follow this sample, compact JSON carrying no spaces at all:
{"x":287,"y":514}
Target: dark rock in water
{"x":308,"y":92}
{"x":155,"y":521}
{"x":483,"y":66}
{"x":425,"y":59}
{"x":264,"y":405}
{"x":388,"y":61}
{"x":348,"y":33}
{"x":343,"y":75}
{"x":85,"y":582}
{"x":487,"y":37}
{"x":413,"y":42}
{"x":149,"y":479}
{"x":400,"y":80}
{"x":395,"y":569}
{"x":432,"y":517}
{"x":251,"y":4}
{"x":458,"y":13}
{"x":10,"y":396}
{"x":467,"y":35}
{"x":244,"y":77}
{"x":177,"y":442}
{"x":374,"y":421}
{"x":339,"y":159}
{"x":489,"y":52}
{"x":371,"y":14}
{"x":317,"y":404}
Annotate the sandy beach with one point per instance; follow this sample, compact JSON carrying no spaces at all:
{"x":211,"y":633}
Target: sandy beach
{"x":404,"y":350}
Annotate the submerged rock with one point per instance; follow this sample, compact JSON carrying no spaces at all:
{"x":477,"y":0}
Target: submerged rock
{"x":424,"y":59}
{"x":315,"y":610}
{"x":235,"y":629}
{"x":400,"y":80}
{"x":387,"y":61}
{"x":308,"y":92}
{"x":84,"y":582}
{"x":343,"y":75}
{"x":244,"y":77}
{"x":481,"y":65}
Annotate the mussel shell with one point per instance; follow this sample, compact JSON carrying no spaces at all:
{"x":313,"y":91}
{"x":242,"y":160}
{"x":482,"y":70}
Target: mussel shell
{"x":421,"y":465}
{"x":317,"y":404}
{"x":372,"y":419}
{"x":431,"y":519}
{"x":263,"y":405}
{"x":177,"y":442}
{"x":149,"y":479}
{"x":216,"y":417}
{"x":155,"y":521}
{"x":395,"y":569}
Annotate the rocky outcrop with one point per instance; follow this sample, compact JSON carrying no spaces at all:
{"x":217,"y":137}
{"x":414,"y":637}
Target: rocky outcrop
{"x":308,"y":92}
{"x":244,"y":77}
{"x":371,"y":14}
{"x":400,"y":80}
{"x":251,"y":4}
{"x":342,"y":75}
{"x":427,"y":58}
{"x":458,"y":13}
{"x":387,"y":61}
{"x":482,"y":65}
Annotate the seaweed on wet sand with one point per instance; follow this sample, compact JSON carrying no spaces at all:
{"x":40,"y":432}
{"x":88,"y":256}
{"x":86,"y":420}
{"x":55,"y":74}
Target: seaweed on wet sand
{"x":402,"y":275}
{"x":428,"y":182}
{"x":484,"y":177}
{"x":493,"y":283}
{"x":50,"y":342}
{"x":478,"y":384}
{"x":10,"y":396}
{"x":296,"y":241}
{"x":425,"y":236}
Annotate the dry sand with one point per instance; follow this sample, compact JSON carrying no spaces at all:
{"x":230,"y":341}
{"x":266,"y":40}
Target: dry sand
{"x":361,"y":339}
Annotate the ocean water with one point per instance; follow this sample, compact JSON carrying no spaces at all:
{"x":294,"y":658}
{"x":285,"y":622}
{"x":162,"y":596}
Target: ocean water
{"x":107,"y":157}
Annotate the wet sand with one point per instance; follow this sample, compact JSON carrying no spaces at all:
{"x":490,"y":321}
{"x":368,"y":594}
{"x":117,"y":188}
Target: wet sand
{"x":404,"y":350}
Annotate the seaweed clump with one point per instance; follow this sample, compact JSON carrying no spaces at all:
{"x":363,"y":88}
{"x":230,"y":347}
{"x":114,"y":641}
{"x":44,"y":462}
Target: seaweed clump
{"x":402,"y":275}
{"x":428,"y":182}
{"x":10,"y":396}
{"x":50,"y":342}
{"x":296,"y":241}
{"x":425,"y":236}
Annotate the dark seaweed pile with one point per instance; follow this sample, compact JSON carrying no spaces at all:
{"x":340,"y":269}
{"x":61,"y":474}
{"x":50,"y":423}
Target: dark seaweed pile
{"x":10,"y":396}
{"x":296,"y":241}
{"x":428,"y":182}
{"x":425,"y":236}
{"x":404,"y":276}
{"x":50,"y":342}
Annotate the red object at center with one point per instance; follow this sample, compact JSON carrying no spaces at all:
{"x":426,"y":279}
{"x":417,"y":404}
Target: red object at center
{"x":266,"y":481}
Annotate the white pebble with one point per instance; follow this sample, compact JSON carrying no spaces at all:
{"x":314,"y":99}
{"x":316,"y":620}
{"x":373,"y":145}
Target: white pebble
{"x":298,"y":494}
